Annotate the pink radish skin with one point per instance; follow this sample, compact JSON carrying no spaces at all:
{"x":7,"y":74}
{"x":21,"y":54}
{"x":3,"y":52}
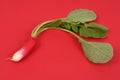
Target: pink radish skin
{"x":24,"y":51}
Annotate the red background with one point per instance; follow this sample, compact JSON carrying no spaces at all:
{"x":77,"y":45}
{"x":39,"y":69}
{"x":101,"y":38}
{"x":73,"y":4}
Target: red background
{"x":59,"y":56}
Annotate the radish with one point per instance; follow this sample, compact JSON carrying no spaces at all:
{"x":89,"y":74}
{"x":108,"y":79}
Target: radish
{"x":22,"y":52}
{"x":79,"y":21}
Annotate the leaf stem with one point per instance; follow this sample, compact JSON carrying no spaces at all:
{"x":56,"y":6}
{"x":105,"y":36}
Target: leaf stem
{"x":43,"y":26}
{"x":39,"y":28}
{"x":77,"y":36}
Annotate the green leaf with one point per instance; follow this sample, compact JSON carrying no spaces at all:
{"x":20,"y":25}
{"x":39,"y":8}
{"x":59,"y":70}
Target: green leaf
{"x":75,"y":28}
{"x":54,"y":23}
{"x":67,"y":26}
{"x":81,"y":15}
{"x":98,"y":52}
{"x":70,"y":26}
{"x":93,"y":30}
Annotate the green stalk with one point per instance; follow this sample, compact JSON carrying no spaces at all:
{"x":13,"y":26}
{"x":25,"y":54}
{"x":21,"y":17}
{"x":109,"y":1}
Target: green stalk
{"x":39,"y":28}
{"x":36,"y":32}
{"x":43,"y":26}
